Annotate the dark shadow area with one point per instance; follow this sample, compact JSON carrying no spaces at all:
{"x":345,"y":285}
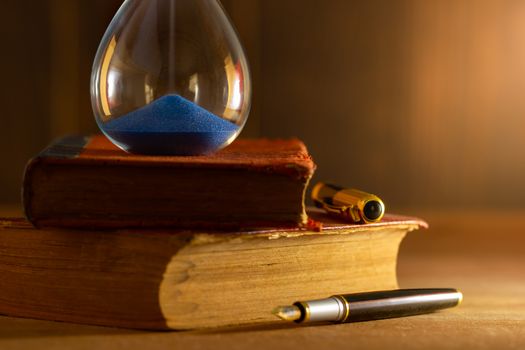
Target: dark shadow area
{"x":85,"y":277}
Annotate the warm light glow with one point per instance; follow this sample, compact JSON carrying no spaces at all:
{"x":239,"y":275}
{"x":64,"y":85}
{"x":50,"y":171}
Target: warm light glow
{"x":235,"y":98}
{"x":113,"y":77}
{"x":194,"y":86}
{"x":105,"y":76}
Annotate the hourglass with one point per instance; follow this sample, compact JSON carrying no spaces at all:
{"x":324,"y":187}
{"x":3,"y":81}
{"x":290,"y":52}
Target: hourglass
{"x":171,"y":78}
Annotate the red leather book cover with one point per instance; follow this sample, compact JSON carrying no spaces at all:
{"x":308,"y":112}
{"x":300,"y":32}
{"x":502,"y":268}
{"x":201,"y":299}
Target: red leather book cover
{"x":88,"y":181}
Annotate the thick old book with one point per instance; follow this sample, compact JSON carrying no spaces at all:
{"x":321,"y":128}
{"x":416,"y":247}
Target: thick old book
{"x":89,"y":182}
{"x":161,"y":279}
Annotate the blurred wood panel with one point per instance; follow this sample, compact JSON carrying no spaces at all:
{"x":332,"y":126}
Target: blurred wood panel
{"x":418,"y":101}
{"x":75,"y":32}
{"x":466,"y":108}
{"x":64,"y":67}
{"x":24,"y":89}
{"x":336,"y":75}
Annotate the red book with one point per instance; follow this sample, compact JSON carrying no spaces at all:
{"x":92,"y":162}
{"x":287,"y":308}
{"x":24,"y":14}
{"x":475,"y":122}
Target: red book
{"x":89,"y":182}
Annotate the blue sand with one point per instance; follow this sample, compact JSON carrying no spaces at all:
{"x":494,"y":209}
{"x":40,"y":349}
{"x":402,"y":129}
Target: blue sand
{"x":170,"y":125}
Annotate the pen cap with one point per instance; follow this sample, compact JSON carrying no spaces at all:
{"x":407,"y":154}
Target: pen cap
{"x":354,"y":204}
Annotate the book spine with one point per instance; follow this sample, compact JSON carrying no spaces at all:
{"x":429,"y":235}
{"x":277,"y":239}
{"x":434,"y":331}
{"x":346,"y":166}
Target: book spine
{"x":68,"y":147}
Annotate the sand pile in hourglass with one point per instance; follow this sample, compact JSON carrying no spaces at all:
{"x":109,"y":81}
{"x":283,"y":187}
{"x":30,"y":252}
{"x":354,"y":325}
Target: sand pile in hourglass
{"x":171,"y":117}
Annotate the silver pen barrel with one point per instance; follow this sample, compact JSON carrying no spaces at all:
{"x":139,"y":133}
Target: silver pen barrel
{"x":334,"y":309}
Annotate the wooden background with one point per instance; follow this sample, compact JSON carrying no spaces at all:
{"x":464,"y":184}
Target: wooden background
{"x":418,"y":101}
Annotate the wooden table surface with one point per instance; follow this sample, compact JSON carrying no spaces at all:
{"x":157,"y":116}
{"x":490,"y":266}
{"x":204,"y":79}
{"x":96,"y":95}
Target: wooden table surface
{"x":481,"y":253}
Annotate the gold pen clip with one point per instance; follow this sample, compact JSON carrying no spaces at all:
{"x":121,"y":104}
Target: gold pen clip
{"x":348,"y":212}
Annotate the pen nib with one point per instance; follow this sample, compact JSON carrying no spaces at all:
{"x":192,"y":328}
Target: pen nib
{"x":287,"y":313}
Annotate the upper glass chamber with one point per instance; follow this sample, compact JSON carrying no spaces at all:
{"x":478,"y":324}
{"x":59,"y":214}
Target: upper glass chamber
{"x":171,"y":78}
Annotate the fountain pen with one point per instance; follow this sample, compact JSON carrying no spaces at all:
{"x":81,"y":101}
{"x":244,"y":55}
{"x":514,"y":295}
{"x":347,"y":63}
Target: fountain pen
{"x":370,"y":306}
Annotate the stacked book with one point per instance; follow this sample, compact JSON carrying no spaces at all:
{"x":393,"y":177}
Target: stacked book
{"x":181,"y":243}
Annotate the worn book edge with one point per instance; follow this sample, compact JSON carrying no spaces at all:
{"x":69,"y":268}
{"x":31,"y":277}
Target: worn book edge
{"x":187,"y":280}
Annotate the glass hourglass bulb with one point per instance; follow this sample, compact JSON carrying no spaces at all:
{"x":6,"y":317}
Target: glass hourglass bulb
{"x":171,"y":78}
